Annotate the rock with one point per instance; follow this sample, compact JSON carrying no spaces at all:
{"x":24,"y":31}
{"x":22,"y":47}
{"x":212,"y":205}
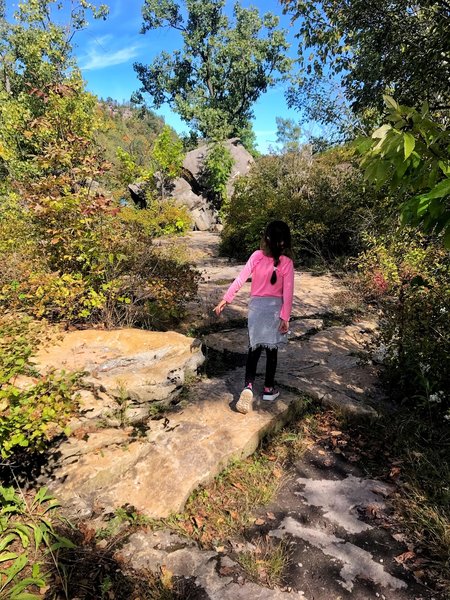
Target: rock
{"x":133,"y":364}
{"x":187,"y":189}
{"x":157,"y":472}
{"x":243,"y":161}
{"x":145,"y":553}
{"x":23,"y":382}
{"x":183,"y":193}
{"x":236,"y":340}
{"x":137,"y":192}
{"x":328,"y":367}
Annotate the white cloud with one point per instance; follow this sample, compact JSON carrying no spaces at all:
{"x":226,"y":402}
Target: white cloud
{"x":101,"y":57}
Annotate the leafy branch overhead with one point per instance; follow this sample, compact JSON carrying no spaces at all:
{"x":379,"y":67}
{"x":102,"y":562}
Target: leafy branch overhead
{"x":396,"y":47}
{"x":412,"y":152}
{"x":223,"y":67}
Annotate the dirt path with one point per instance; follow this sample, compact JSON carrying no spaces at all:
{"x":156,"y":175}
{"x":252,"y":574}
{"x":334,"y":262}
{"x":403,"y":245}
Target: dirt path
{"x":332,"y":518}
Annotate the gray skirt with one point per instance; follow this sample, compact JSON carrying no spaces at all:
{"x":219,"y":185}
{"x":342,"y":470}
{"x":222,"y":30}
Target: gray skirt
{"x":264,"y":322}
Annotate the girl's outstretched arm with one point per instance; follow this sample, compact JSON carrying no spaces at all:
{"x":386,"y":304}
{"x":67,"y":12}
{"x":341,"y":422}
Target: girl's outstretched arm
{"x":243,"y":276}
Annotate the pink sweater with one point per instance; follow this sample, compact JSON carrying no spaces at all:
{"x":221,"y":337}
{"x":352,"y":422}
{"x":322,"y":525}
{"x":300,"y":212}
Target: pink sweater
{"x":260,"y":267}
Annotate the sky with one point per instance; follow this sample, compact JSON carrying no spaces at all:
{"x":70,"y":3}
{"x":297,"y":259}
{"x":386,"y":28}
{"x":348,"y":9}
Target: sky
{"x":106,"y":51}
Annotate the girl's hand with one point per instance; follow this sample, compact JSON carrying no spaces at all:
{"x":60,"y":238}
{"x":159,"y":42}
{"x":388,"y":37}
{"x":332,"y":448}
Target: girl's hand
{"x":219,"y":308}
{"x":284,"y":326}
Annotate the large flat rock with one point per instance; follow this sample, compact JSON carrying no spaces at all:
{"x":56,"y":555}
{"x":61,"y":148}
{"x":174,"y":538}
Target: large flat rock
{"x":157,"y":472}
{"x":150,"y":551}
{"x":329,"y":366}
{"x":236,"y":340}
{"x":140,"y":365}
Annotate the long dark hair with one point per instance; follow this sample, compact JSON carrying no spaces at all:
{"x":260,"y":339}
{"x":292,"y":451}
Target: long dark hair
{"x":276,"y":241}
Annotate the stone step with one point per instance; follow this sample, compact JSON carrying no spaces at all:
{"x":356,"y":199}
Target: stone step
{"x":156,"y":472}
{"x":236,"y":340}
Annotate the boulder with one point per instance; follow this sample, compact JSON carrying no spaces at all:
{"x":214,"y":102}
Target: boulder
{"x":204,"y":216}
{"x":137,"y":192}
{"x":142,"y":366}
{"x":156,"y":471}
{"x":243,"y":160}
{"x":187,"y":189}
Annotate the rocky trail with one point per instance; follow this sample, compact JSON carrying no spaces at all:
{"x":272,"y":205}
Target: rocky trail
{"x":117,"y":455}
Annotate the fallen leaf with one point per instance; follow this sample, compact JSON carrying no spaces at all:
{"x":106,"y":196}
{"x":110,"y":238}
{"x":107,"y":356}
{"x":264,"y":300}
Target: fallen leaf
{"x":395,"y":472}
{"x":402,"y":558}
{"x":271,"y":516}
{"x":373,"y":510}
{"x":259,"y":522}
{"x":198,"y":521}
{"x":239,"y":486}
{"x":166,"y":577}
{"x":336,"y":433}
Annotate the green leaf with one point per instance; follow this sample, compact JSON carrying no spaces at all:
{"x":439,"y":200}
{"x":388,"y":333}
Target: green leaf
{"x":440,"y":190}
{"x":381,"y":131}
{"x":409,"y":144}
{"x":23,"y":532}
{"x":38,"y":535}
{"x":390,"y":102}
{"x":7,"y":556}
{"x":62,"y":542}
{"x":18,"y":565}
{"x":6,"y":540}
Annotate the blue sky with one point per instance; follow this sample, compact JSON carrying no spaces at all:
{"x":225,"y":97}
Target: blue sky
{"x":106,"y":51}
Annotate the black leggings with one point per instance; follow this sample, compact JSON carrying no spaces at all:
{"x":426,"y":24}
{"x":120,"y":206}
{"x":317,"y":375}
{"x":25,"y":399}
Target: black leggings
{"x":252,"y":363}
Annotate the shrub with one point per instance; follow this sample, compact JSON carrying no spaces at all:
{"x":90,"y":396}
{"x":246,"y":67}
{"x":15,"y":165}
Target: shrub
{"x":161,"y":217}
{"x":323,"y":199}
{"x":95,"y":266}
{"x":408,"y":276}
{"x":216,"y":173}
{"x":30,"y":417}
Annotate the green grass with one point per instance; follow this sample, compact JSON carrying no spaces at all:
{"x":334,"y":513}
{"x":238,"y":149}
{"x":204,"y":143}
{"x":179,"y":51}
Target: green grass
{"x":267,"y":563}
{"x":226,"y":506}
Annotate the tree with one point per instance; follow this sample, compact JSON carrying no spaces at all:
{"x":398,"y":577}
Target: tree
{"x":288,"y":135}
{"x":42,"y":97}
{"x":411,"y":153}
{"x":223,"y":67}
{"x":167,"y":158}
{"x":399,"y":47}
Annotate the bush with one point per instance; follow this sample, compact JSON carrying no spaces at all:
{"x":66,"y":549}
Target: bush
{"x":87,"y":264}
{"x":29,"y":418}
{"x":216,"y":173}
{"x":323,"y":199}
{"x":161,"y":217}
{"x":408,"y":276}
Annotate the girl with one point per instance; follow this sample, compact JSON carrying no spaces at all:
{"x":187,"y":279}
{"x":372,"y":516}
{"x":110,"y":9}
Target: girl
{"x":270,"y":306}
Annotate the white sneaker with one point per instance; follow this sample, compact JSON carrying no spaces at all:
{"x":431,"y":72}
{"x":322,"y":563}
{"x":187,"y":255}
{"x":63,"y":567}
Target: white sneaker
{"x":245,"y":401}
{"x":271,"y":396}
